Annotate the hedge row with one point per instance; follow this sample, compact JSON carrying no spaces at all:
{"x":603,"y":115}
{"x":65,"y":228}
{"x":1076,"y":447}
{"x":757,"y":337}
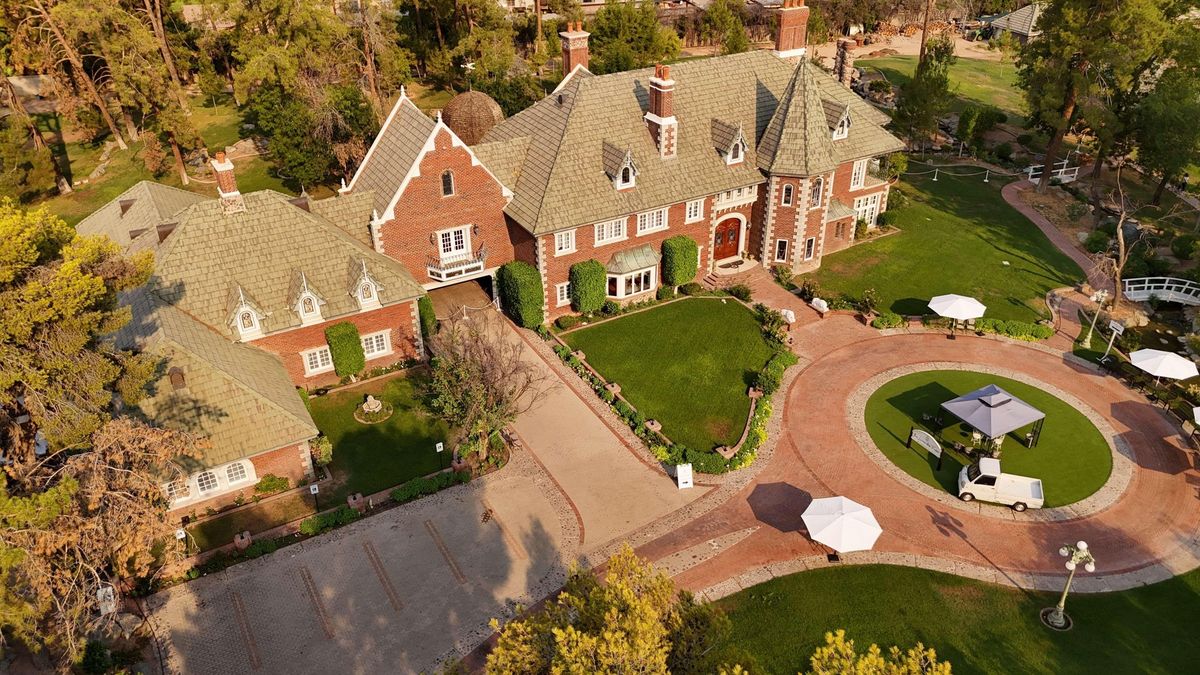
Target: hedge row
{"x":345,"y":347}
{"x":679,"y":260}
{"x":771,"y":376}
{"x":521,"y":293}
{"x":1019,"y":330}
{"x":589,"y":281}
{"x":421,"y":487}
{"x":428,"y":316}
{"x":342,"y":515}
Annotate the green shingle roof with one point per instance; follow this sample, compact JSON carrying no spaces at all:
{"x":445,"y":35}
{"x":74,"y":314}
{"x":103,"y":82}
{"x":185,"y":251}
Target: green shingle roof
{"x":798,"y":141}
{"x":633,"y":259}
{"x":393,"y":153}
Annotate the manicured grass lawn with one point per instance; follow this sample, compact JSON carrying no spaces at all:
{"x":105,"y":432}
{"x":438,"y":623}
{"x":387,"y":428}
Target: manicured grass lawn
{"x":368,"y":458}
{"x":978,"y":627}
{"x":687,"y":364}
{"x":956,"y":236}
{"x":973,"y":81}
{"x":1071,"y":459}
{"x":258,"y":518}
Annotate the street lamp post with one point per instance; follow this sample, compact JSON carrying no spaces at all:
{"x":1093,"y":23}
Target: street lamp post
{"x":1075,"y":554}
{"x":1099,"y":297}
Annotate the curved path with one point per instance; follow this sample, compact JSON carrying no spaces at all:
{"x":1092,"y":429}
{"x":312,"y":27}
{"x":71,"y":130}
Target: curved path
{"x":1150,"y":533}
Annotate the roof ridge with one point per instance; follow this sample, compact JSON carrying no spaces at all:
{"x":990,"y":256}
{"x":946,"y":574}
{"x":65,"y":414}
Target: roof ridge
{"x":569,"y":103}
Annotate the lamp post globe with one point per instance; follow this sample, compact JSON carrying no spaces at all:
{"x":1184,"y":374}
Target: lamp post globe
{"x":1075,"y":554}
{"x":1064,"y":552}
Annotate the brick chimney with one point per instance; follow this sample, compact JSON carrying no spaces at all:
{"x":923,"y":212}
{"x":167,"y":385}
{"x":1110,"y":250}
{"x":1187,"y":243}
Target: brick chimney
{"x":661,"y":115}
{"x":226,"y":183}
{"x":843,"y":63}
{"x":792,"y":39}
{"x":574,"y":47}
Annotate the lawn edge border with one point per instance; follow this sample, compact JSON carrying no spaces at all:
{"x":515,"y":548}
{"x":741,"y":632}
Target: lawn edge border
{"x":1108,"y":494}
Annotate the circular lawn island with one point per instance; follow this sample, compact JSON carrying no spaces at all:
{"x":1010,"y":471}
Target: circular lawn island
{"x":1071,"y":457}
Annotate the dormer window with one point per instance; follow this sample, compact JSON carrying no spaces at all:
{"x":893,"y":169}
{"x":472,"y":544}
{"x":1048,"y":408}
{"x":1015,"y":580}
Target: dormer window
{"x":308,"y":306}
{"x":619,"y":166}
{"x":308,"y":303}
{"x":447,"y":183}
{"x":842,"y":130}
{"x":627,"y":177}
{"x":737,"y":152}
{"x":248,"y":325}
{"x":366,"y":292}
{"x":366,"y":289}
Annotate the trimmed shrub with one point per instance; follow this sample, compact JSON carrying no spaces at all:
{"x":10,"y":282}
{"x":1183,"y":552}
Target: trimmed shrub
{"x":706,"y":462}
{"x":665,"y":293}
{"x":610,"y":308}
{"x":691,"y":289}
{"x":567,"y":322}
{"x":322,"y":450}
{"x":1096,"y":242}
{"x":887,"y":320}
{"x":679,"y":257}
{"x":740,"y":291}
{"x":771,"y":376}
{"x":422,"y":487}
{"x":668,"y":454}
{"x":428,"y":316}
{"x":886,"y":219}
{"x":521,"y":293}
{"x":588,"y":279}
{"x":783,"y":276}
{"x":343,"y":515}
{"x":1004,"y":151}
{"x":270,"y":484}
{"x":345,"y":347}
{"x":1019,"y":330}
{"x":774,"y":326}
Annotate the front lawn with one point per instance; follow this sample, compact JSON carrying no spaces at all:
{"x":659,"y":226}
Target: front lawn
{"x":972,"y":81}
{"x":978,"y":627}
{"x":219,"y":531}
{"x":369,"y":458}
{"x":956,"y":237}
{"x":687,"y":364}
{"x":1072,"y":458}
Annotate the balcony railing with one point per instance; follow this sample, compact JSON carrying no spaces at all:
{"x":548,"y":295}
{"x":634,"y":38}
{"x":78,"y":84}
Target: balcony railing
{"x":445,"y":269}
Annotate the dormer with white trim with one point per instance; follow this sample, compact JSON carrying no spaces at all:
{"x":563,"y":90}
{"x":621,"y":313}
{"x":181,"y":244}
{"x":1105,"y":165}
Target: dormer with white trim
{"x":307,"y":303}
{"x":842,"y":129}
{"x":246,"y":318}
{"x":366,"y":289}
{"x":620,"y":167}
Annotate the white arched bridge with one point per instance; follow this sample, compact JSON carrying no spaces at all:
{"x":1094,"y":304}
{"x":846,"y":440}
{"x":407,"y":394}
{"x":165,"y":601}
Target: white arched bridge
{"x":1166,"y":289}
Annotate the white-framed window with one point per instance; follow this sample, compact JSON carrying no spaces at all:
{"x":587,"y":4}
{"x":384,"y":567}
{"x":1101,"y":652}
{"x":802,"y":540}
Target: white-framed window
{"x":788,"y":195}
{"x":781,"y":250}
{"x":818,"y":193}
{"x":608,"y":232}
{"x":179,"y":489}
{"x":317,"y":360}
{"x":564,"y":242}
{"x":377,"y":344}
{"x":562,"y":294}
{"x":867,"y":208}
{"x":236,"y":472}
{"x":842,"y":129}
{"x":858,"y":175}
{"x":651,"y":221}
{"x":206,"y":481}
{"x":447,"y":183}
{"x":625,"y":285}
{"x":694,"y":211}
{"x":309,"y":309}
{"x":626,"y":176}
{"x":454,"y":243}
{"x":810,"y":248}
{"x":737,"y":153}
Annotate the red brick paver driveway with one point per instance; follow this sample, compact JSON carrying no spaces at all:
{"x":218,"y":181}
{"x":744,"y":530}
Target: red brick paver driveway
{"x":1149,"y":533}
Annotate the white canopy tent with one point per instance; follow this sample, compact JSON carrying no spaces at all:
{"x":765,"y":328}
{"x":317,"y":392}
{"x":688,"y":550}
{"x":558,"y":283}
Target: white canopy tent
{"x":995,"y":412}
{"x":841,"y":524}
{"x":1162,"y":364}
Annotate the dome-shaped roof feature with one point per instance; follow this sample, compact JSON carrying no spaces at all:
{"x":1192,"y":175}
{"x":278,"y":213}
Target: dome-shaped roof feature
{"x":472,"y":114}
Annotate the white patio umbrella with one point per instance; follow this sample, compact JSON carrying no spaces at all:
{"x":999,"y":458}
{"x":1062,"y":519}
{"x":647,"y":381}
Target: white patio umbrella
{"x":958,"y":307}
{"x":841,"y":524}
{"x":1162,"y":364}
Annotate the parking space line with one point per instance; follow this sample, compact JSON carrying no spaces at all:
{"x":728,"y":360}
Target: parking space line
{"x":311,"y":588}
{"x":239,"y":612}
{"x":513,"y":543}
{"x":377,"y":565}
{"x":441,"y":545}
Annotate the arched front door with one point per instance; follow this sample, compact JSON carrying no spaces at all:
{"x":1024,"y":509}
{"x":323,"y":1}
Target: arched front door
{"x":727,"y":238}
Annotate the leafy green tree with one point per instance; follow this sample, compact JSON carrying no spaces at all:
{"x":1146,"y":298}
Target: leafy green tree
{"x":926,"y":97}
{"x":1168,"y":132}
{"x":724,"y":23}
{"x":1087,"y":50}
{"x":839,"y":656}
{"x":628,"y":35}
{"x":25,"y":169}
{"x":288,"y":125}
{"x":514,"y":93}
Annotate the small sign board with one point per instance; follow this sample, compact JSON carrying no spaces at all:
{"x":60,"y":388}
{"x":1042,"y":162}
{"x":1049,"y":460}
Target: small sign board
{"x":925,"y":440}
{"x":683,"y":476}
{"x":314,"y":489}
{"x":441,"y":447}
{"x":181,"y":534}
{"x":1116,"y":327}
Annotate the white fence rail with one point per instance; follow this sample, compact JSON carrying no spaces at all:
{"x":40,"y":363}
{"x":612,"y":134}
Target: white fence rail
{"x":1167,"y":289}
{"x":1064,"y":173}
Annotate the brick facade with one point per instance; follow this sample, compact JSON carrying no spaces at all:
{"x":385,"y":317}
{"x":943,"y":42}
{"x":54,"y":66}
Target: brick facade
{"x":288,"y":345}
{"x":478,"y":201}
{"x":293,"y":462}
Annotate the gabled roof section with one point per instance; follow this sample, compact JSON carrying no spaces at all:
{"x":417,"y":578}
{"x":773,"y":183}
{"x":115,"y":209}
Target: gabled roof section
{"x":615,"y":159}
{"x":834,"y":112}
{"x":350,"y":212}
{"x":238,"y":397}
{"x":797,"y":141}
{"x":211,"y":254}
{"x":393,"y":153}
{"x":138,"y":210}
{"x":1022,"y":22}
{"x":724,"y":135}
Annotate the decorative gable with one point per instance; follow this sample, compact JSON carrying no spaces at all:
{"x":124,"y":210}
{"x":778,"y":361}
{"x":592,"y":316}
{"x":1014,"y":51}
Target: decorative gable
{"x":619,"y":167}
{"x":365,"y":288}
{"x":246,"y":316}
{"x":729,"y":141}
{"x":306,"y":302}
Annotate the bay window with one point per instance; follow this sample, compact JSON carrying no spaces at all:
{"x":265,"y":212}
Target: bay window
{"x":632,"y":283}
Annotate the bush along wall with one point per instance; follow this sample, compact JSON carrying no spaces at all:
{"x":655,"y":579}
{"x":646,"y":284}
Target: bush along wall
{"x":679,"y":260}
{"x":521,"y":293}
{"x":428,"y":316}
{"x":345,"y":347}
{"x":588,"y":279}
{"x":1019,"y":330}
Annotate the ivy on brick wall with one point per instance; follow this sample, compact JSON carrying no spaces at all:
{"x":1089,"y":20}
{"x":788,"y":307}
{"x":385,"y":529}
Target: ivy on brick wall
{"x":588,"y":280}
{"x":345,"y":346}
{"x":521,"y":294}
{"x":679,"y":255}
{"x":428,"y":316}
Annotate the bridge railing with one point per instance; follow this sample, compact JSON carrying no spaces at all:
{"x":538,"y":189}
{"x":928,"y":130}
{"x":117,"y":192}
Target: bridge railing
{"x":1064,"y":173}
{"x":1167,"y":289}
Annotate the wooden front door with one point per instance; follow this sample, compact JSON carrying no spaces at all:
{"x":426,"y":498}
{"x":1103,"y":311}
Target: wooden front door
{"x":725,"y":243}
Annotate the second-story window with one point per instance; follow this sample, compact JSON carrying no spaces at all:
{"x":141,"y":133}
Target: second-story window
{"x":453,"y":243}
{"x":447,"y":183}
{"x":564,"y":242}
{"x":788,"y":196}
{"x":818,"y":192}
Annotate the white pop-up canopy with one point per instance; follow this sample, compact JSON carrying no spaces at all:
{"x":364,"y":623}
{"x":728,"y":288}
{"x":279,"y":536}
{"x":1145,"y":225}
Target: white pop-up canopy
{"x":841,"y":524}
{"x":958,"y":307}
{"x":1163,"y":364}
{"x":995,"y":412}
